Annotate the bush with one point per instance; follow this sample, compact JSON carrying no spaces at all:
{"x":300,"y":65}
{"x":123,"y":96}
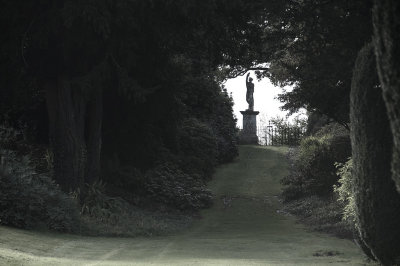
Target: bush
{"x":323,"y":215}
{"x":198,"y":148}
{"x":107,"y":215}
{"x":315,"y":122}
{"x":102,"y":207}
{"x":227,"y":148}
{"x":314,"y":171}
{"x":31,"y":200}
{"x":169,"y":185}
{"x":223,"y":124}
{"x":345,"y":192}
{"x":121,"y":175}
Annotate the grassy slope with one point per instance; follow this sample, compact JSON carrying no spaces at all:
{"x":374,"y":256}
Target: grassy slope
{"x":244,"y":227}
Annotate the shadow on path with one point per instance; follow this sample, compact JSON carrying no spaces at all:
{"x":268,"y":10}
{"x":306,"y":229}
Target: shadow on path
{"x":244,"y":227}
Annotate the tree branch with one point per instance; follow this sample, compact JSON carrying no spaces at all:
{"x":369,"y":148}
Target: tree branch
{"x":259,"y":68}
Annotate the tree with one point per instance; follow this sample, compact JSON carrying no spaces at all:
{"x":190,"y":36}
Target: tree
{"x":322,"y":42}
{"x":319,"y":44}
{"x":70,"y":50}
{"x":377,"y":201}
{"x":74,"y":51}
{"x":387,"y":49}
{"x":67,"y":51}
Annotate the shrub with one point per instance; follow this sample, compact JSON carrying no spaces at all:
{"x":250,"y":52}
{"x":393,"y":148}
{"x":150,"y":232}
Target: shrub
{"x":227,"y":147}
{"x":324,"y":215}
{"x":344,"y":190}
{"x":198,"y":148}
{"x":168,"y":184}
{"x":223,"y":123}
{"x":314,"y":172}
{"x":315,"y":122}
{"x":102,"y":207}
{"x":31,"y":200}
{"x":121,"y":175}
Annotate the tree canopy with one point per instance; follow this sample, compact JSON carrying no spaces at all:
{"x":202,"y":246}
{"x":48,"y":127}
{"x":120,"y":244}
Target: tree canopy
{"x":129,"y":91}
{"x":144,"y":67}
{"x":319,"y":44}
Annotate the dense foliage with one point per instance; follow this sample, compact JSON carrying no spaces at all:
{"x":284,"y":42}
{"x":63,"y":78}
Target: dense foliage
{"x":319,"y":44}
{"x":375,"y":192}
{"x":143,"y":67}
{"x":345,"y":190}
{"x":169,"y":185}
{"x":115,"y":90}
{"x":310,"y":189}
{"x":29,"y":199}
{"x":137,"y":84}
{"x":314,"y":170}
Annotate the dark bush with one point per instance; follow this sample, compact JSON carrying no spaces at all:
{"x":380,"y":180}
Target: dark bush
{"x":314,"y":171}
{"x":315,"y":122}
{"x":169,"y":185}
{"x":321,"y":214}
{"x":224,"y":126}
{"x":31,"y":200}
{"x":198,"y":148}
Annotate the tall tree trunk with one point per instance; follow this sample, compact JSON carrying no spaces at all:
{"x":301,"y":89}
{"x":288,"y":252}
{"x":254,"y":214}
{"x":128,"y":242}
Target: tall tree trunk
{"x":94,"y":129}
{"x":66,"y":108}
{"x":387,"y":42}
{"x":377,"y":201}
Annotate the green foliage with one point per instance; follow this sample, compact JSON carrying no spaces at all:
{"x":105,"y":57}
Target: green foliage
{"x":298,"y":122}
{"x":223,"y":124}
{"x":314,"y":170}
{"x":114,"y":216}
{"x":315,"y":122}
{"x":280,"y":131}
{"x":123,"y":176}
{"x":319,"y":44}
{"x":321,"y":214}
{"x":98,"y":205}
{"x":345,"y":191}
{"x":31,"y":200}
{"x":169,"y":185}
{"x":198,"y":147}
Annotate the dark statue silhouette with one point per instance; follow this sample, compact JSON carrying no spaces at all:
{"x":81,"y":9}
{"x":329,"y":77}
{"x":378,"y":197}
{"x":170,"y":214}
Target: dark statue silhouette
{"x":250,"y":91}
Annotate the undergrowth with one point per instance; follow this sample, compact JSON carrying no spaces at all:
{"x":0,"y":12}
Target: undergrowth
{"x":315,"y":190}
{"x":345,"y":192}
{"x":321,"y":214}
{"x":167,"y":184}
{"x":30,"y":199}
{"x":114,"y":216}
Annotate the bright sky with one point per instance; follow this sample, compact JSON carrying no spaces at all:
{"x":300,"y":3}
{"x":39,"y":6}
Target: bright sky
{"x":264,"y":98}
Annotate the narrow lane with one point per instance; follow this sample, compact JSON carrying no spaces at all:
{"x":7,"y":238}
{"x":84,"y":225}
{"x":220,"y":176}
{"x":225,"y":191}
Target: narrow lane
{"x":244,"y":227}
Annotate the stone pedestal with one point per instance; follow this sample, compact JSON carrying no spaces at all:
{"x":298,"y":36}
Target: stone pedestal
{"x":248,"y":135}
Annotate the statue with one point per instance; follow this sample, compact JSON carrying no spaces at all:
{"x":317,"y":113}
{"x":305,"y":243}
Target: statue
{"x":248,"y":135}
{"x":250,"y":91}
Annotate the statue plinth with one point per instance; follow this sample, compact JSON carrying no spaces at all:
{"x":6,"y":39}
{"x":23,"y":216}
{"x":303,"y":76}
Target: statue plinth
{"x":248,"y":135}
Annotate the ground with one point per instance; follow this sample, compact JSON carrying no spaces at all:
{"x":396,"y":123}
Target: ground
{"x":244,"y":227}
